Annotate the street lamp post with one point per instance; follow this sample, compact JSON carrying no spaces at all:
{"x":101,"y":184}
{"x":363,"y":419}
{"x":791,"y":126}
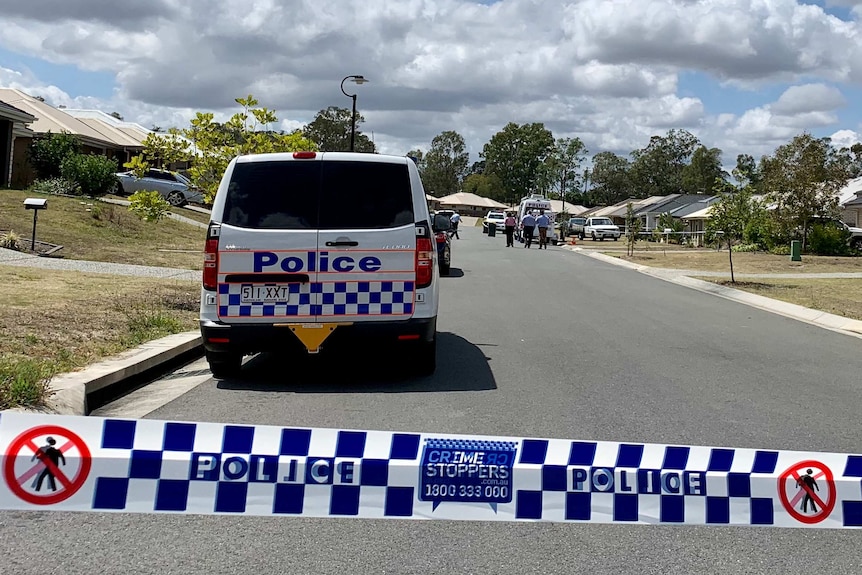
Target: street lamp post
{"x":356,"y":80}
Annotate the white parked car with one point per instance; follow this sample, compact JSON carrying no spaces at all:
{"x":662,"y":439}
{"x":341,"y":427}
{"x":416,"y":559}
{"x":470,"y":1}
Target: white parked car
{"x":498,"y":218}
{"x":174,"y":187}
{"x":601,"y":228}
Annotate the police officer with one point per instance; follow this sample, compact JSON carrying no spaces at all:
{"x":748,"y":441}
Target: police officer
{"x":528,"y":225}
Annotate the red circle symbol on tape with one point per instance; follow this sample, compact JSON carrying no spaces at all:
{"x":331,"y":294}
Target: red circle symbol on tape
{"x":46,"y":480}
{"x":807,"y":491}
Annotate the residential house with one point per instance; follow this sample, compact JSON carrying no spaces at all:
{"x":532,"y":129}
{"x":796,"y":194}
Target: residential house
{"x":13,"y":124}
{"x":850,"y":203}
{"x":650,"y":213}
{"x":468,"y":204}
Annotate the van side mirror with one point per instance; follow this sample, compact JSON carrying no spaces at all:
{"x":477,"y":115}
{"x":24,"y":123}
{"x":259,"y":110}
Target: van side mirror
{"x":441,"y":223}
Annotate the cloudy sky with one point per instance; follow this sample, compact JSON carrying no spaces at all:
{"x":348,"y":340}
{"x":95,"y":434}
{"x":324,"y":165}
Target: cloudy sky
{"x":743,"y":75}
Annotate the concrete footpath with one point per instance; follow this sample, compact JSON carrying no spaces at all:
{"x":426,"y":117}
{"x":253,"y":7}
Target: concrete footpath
{"x":822,"y":319}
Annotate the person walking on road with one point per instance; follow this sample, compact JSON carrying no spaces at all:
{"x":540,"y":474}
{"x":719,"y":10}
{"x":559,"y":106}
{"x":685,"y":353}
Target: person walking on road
{"x":455,"y":219}
{"x":542,"y":223}
{"x":528,"y":225}
{"x":510,"y":229}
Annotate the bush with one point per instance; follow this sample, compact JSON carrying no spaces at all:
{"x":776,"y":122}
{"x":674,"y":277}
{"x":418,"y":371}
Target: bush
{"x":829,"y":240}
{"x":95,"y":175}
{"x":47,"y":153}
{"x":780,"y":250}
{"x":57,"y":186}
{"x":150,"y":206}
{"x":11,"y":241}
{"x":746,"y":248}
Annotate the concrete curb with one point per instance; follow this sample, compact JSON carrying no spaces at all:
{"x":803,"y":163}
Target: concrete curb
{"x":847,"y":326}
{"x":71,"y":389}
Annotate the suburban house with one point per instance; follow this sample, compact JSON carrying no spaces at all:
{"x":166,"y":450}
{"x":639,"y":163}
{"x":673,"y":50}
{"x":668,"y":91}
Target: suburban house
{"x":13,"y":125}
{"x":468,"y":204}
{"x":650,"y":213}
{"x":99,"y":133}
{"x":850,"y":203}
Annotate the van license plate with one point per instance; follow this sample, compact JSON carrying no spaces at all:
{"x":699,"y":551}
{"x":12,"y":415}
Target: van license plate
{"x":267,"y":293}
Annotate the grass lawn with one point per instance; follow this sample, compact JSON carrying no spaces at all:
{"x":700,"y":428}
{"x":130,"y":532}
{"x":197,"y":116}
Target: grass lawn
{"x":745,"y":263}
{"x":53,"y":322}
{"x":105,"y":233}
{"x":837,"y":296}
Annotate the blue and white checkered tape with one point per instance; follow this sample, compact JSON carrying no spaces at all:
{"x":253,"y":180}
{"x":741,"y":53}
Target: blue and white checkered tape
{"x":150,"y":466}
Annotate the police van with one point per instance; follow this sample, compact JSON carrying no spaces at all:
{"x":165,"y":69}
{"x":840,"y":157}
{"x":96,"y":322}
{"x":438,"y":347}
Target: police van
{"x":307,"y":250}
{"x":534,"y":204}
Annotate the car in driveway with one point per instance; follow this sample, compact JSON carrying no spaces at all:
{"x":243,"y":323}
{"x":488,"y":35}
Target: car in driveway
{"x":600,"y":228}
{"x":575,"y":227}
{"x":173,"y":187}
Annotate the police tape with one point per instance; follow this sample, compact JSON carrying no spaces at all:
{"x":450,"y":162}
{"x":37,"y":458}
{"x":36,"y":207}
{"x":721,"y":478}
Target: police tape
{"x":148,"y":466}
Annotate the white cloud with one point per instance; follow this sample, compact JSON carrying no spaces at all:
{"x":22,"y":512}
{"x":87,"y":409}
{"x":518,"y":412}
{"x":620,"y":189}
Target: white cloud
{"x":605,"y":71}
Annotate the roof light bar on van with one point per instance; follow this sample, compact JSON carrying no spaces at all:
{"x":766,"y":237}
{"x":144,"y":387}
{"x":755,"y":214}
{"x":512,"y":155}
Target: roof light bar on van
{"x":304,"y":155}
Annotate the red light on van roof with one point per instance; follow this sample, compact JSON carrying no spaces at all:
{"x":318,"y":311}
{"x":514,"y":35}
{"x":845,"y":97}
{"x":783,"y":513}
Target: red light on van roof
{"x":304,"y":155}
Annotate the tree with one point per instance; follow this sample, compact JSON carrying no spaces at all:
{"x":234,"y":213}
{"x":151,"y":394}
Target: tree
{"x":211,"y":145}
{"x":562,"y":167}
{"x":803,"y":179}
{"x":418,"y":157}
{"x":610,"y":179}
{"x":746,"y":172}
{"x":47,"y":152}
{"x":515,"y":155}
{"x":633,"y":229}
{"x":330,"y":130}
{"x":485,"y":185}
{"x":699,"y":176}
{"x":657,"y":169}
{"x":445,"y":164}
{"x":729,"y":216}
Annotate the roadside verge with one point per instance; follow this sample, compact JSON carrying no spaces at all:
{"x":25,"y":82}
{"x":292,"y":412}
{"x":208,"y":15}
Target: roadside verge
{"x":72,"y":389}
{"x":819,"y":318}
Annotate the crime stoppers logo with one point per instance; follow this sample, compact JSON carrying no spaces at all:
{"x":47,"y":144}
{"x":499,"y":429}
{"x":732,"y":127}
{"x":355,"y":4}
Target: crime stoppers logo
{"x":46,"y":465}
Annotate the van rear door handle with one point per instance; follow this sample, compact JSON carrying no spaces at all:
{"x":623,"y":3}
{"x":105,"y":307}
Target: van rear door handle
{"x":341,"y":244}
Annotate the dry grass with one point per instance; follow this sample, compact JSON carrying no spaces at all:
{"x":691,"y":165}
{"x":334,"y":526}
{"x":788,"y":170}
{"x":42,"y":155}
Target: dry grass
{"x":836,"y":296}
{"x":61,"y":321}
{"x":745,"y":263}
{"x":117,"y":235}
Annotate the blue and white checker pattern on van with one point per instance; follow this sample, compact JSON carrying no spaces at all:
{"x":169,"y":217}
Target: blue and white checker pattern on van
{"x":154,"y":466}
{"x":344,"y":298}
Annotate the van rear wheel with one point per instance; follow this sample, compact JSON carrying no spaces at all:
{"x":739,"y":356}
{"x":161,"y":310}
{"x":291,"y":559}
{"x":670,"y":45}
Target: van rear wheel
{"x":224,"y":365}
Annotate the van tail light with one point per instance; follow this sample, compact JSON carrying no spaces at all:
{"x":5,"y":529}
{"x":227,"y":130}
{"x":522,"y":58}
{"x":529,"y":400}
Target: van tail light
{"x":424,"y":262}
{"x":210,"y":275}
{"x":441,"y":238}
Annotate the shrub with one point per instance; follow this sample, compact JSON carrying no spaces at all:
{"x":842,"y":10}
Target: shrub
{"x":95,"y":175}
{"x":46,"y":153}
{"x":829,"y":240}
{"x":746,"y":248}
{"x":57,"y":186}
{"x":150,"y":206}
{"x":11,"y":241}
{"x":780,"y":250}
{"x":24,"y":382}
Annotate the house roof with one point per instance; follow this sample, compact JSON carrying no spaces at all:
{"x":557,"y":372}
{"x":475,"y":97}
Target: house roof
{"x":15,"y":114}
{"x":850,"y":192}
{"x":572,"y":209}
{"x":468,"y":199}
{"x":51,"y":119}
{"x":693,"y":207}
{"x":701,"y":214}
{"x":129,"y":134}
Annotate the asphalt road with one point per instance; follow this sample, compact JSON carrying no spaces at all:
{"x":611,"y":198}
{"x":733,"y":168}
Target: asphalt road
{"x":533,"y":343}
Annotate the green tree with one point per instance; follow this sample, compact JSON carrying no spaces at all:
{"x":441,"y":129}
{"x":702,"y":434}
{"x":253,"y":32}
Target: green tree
{"x":47,"y":152}
{"x":515,"y":155}
{"x":562,"y":167}
{"x":95,"y":175}
{"x":657,"y":169}
{"x":212,"y":145}
{"x":633,"y":229}
{"x":445,"y":164}
{"x":610,"y":177}
{"x":699,"y":176}
{"x":729,"y":216}
{"x":746,"y":172}
{"x":485,"y":185}
{"x":330,"y":130}
{"x":803,"y":179}
{"x":418,"y":157}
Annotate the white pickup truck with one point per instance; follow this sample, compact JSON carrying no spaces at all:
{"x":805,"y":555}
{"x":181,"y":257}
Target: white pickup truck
{"x":601,"y":228}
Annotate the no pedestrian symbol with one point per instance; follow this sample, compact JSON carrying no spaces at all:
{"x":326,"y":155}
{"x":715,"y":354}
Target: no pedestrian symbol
{"x":46,"y":465}
{"x":807,"y":491}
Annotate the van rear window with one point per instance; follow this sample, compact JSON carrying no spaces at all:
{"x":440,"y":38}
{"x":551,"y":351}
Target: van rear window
{"x":319,"y":194}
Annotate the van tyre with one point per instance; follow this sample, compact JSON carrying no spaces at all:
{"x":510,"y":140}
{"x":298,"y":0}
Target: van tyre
{"x":444,"y":269}
{"x":425,"y":358}
{"x":224,"y":365}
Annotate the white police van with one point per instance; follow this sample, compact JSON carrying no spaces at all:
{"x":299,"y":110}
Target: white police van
{"x":306,"y":250}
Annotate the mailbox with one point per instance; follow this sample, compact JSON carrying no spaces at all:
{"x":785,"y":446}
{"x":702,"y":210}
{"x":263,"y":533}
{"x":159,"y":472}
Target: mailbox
{"x":36,"y":204}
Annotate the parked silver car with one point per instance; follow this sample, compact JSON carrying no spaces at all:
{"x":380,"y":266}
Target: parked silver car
{"x":174,"y":187}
